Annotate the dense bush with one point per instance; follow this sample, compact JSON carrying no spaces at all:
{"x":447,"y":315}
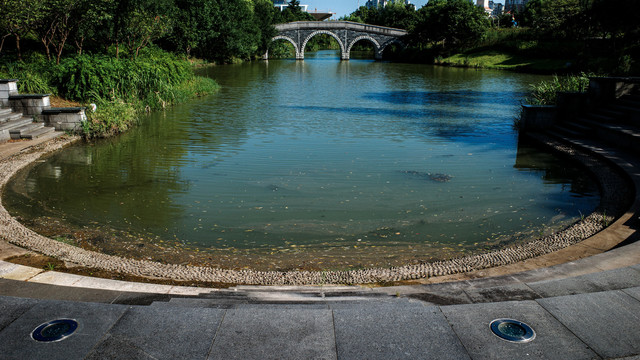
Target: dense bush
{"x":545,"y":92}
{"x":98,"y":76}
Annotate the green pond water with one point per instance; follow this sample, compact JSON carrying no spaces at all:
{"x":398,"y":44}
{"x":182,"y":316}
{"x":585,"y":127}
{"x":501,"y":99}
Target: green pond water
{"x":312,"y":164}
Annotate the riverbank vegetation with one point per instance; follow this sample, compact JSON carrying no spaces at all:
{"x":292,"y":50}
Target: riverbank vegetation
{"x":128,"y":56}
{"x":549,"y":36}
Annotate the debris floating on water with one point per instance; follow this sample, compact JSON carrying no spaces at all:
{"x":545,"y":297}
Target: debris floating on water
{"x":439,"y":177}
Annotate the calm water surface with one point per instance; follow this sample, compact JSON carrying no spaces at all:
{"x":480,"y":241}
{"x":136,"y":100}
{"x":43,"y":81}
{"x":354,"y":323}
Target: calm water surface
{"x":313,"y":164}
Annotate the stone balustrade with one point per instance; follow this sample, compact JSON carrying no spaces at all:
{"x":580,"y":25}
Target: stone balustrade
{"x":30,"y":105}
{"x":65,"y":119}
{"x":8,"y":87}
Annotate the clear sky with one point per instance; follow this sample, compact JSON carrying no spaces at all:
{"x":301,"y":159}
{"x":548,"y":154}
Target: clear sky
{"x":345,"y":7}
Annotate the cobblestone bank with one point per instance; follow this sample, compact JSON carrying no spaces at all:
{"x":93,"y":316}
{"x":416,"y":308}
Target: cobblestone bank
{"x":615,"y":193}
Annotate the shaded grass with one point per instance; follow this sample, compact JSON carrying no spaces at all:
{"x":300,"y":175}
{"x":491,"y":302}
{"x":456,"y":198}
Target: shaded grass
{"x":502,"y":60}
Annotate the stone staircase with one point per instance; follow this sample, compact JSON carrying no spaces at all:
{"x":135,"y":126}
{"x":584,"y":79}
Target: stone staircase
{"x":615,"y":123}
{"x":14,"y":125}
{"x":30,"y":116}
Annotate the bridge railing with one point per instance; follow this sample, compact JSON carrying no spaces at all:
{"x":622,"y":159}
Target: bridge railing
{"x":346,"y":25}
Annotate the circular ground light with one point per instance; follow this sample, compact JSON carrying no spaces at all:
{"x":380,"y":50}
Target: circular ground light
{"x":512,"y":330}
{"x":55,"y":330}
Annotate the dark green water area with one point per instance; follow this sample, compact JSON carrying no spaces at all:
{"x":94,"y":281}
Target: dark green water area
{"x":314,"y":164}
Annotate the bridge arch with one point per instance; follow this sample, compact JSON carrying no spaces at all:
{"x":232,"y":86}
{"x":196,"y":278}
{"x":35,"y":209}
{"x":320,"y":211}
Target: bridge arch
{"x":386,"y":44}
{"x":345,"y":32}
{"x":330,"y":33}
{"x":375,"y":43}
{"x":282,"y":37}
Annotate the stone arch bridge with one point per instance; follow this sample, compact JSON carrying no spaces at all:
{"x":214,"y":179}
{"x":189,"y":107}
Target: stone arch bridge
{"x":345,"y":32}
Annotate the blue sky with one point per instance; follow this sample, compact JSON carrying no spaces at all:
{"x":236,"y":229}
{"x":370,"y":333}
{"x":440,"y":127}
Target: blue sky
{"x":345,"y":7}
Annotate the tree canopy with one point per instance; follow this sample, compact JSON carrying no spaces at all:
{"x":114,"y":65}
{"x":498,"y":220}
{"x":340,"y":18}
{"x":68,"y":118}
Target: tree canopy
{"x":450,"y":23}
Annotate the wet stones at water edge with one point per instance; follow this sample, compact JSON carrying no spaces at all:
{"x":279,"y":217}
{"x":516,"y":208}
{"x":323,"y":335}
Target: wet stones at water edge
{"x":439,"y":177}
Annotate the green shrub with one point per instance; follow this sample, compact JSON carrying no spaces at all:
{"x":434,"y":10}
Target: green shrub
{"x":122,"y":88}
{"x":544,"y":92}
{"x":107,"y":77}
{"x":110,"y":118}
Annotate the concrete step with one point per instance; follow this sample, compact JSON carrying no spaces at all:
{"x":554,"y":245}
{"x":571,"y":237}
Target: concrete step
{"x":37,"y":133}
{"x":297,"y":300}
{"x":12,"y":124}
{"x":10,"y":116}
{"x":577,"y":127}
{"x":623,"y":136}
{"x":629,"y":102}
{"x":4,"y":111}
{"x":19,"y":132}
{"x":605,"y":111}
{"x":600,"y":117}
{"x":564,"y":131}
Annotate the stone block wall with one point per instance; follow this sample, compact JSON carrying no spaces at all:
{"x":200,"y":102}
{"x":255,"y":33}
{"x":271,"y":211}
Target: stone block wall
{"x":30,"y":105}
{"x":8,"y":87}
{"x":538,"y":117}
{"x":65,"y":119}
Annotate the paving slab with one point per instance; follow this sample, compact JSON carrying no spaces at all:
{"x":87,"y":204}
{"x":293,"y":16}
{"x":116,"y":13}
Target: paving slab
{"x":113,"y":348}
{"x":561,"y":271}
{"x":567,"y":286}
{"x":609,"y":322}
{"x":635,"y":292}
{"x":275,"y":334}
{"x":136,"y":298}
{"x":378,"y":304}
{"x":11,"y":308}
{"x":471,"y":324}
{"x":322,"y":306}
{"x":94,"y":320}
{"x":56,"y":278}
{"x":9,"y":250}
{"x":442,"y":294}
{"x":119,"y":285}
{"x":517,"y":291}
{"x":54,"y":292}
{"x":622,"y":278}
{"x":415,"y":333}
{"x":161,"y":333}
{"x":17,"y":272}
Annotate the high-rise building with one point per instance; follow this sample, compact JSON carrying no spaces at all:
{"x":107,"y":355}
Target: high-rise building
{"x":514,"y":5}
{"x":282,"y":4}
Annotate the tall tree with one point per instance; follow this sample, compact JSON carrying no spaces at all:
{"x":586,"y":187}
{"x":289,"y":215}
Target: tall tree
{"x":452,"y":24}
{"x":18,"y":20}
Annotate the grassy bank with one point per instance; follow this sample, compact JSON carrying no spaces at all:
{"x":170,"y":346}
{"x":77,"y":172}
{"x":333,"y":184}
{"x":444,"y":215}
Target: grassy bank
{"x":521,"y":49}
{"x":122,"y":89}
{"x":502,"y":60}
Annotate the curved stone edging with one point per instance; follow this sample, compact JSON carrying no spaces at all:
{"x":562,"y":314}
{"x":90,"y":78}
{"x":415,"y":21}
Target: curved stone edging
{"x":612,"y":200}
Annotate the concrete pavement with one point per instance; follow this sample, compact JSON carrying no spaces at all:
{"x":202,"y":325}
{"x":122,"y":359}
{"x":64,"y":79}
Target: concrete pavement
{"x":578,"y":311}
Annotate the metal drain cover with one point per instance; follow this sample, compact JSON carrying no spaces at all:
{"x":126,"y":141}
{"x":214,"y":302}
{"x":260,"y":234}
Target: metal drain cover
{"x":55,"y":330}
{"x":512,"y":330}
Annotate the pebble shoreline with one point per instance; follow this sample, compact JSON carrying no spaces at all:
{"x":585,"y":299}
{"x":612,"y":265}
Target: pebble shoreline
{"x":614,"y":188}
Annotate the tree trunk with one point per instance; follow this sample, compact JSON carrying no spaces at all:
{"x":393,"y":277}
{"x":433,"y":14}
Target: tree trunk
{"x":79,"y":43}
{"x":2,"y":42}
{"x":18,"y":46}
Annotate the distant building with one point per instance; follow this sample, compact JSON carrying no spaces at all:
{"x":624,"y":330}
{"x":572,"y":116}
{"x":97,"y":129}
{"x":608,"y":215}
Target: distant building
{"x":485,"y":5}
{"x":382,"y":3}
{"x":514,"y":5}
{"x":497,"y":9}
{"x":282,"y":4}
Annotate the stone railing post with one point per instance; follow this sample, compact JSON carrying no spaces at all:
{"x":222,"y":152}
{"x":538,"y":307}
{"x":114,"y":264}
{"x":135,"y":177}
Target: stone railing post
{"x":8,"y":87}
{"x":537,"y":117}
